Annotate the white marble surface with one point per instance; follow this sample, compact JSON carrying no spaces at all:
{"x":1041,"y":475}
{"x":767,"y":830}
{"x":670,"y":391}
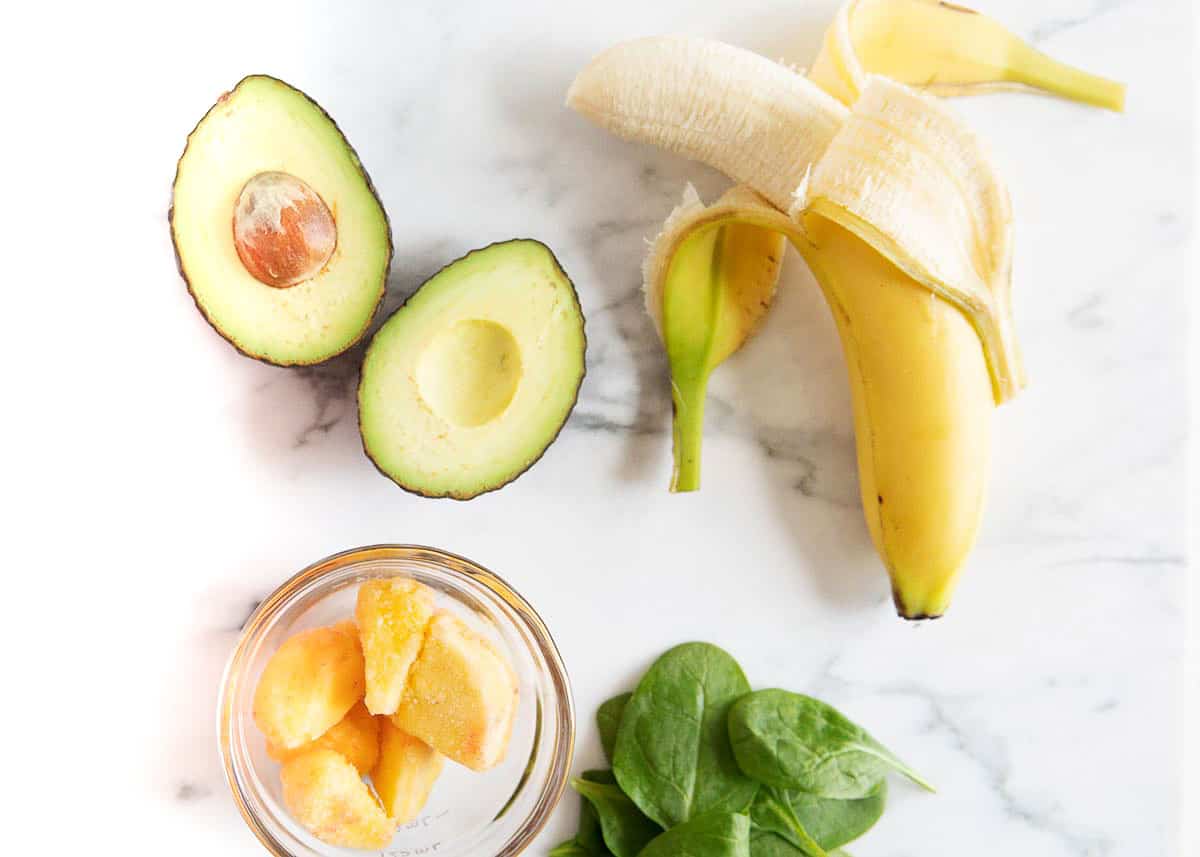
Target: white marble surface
{"x":165,"y":484}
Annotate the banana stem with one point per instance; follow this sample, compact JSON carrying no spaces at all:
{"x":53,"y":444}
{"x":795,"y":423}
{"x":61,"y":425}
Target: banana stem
{"x":1035,"y":69}
{"x":687,"y":395}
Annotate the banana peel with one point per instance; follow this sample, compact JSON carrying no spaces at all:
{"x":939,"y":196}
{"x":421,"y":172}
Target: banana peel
{"x":758,"y":122}
{"x":895,"y":206}
{"x":944,"y":49}
{"x":710,"y":277}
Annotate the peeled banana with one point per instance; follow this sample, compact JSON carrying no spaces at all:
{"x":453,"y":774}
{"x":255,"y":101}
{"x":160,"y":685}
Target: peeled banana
{"x":896,"y":208}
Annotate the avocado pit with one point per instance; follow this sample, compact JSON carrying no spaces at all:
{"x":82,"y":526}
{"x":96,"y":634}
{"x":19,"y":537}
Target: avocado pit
{"x":283,"y":231}
{"x":469,"y":372}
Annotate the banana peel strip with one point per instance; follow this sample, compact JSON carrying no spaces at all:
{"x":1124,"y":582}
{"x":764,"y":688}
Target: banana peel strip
{"x":738,"y":204}
{"x":912,"y":181}
{"x":719,"y":266}
{"x":759,"y":122}
{"x":944,"y":49}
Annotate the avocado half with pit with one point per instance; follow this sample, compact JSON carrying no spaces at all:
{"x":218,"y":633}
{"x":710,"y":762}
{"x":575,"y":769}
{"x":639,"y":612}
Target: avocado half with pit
{"x":465,"y":386}
{"x":278,"y":232}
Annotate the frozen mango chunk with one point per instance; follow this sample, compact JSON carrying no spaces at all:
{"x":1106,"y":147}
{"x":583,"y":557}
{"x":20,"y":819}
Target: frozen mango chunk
{"x":405,"y":773}
{"x":308,"y":685}
{"x":392,"y":616}
{"x":355,"y":736}
{"x":461,"y":695}
{"x":326,"y":794}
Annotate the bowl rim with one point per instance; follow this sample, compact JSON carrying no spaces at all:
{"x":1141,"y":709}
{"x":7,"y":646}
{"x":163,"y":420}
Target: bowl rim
{"x":454,"y":564}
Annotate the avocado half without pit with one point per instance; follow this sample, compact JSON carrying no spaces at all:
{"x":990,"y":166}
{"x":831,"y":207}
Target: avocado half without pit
{"x":465,"y":386}
{"x":278,"y":231}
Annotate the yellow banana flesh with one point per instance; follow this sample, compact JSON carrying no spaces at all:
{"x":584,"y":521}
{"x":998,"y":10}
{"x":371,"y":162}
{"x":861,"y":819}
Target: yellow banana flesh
{"x":943,"y":49}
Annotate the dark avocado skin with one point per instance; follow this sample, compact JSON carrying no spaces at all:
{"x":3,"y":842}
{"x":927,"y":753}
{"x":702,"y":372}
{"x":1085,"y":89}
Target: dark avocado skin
{"x":411,"y":489}
{"x":370,"y":187}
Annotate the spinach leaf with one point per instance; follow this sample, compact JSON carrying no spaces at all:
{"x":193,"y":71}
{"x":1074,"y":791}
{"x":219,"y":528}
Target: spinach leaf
{"x":831,"y":823}
{"x":792,"y":741}
{"x":764,"y":844}
{"x":608,"y":721}
{"x":709,"y":834}
{"x":588,"y":841}
{"x":673,"y":756}
{"x":624,"y":828}
{"x":772,"y":812}
{"x":603,"y":777}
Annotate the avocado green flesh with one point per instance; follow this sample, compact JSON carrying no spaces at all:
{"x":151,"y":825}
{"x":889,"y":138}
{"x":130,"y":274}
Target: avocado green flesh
{"x":465,"y":386}
{"x":266,"y":125}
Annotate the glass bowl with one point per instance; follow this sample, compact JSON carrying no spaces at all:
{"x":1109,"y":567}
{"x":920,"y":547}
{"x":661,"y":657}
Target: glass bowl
{"x":497,"y":812}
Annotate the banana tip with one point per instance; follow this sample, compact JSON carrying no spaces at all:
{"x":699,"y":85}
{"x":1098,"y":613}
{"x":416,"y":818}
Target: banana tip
{"x":913,"y":615}
{"x":1117,"y":102}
